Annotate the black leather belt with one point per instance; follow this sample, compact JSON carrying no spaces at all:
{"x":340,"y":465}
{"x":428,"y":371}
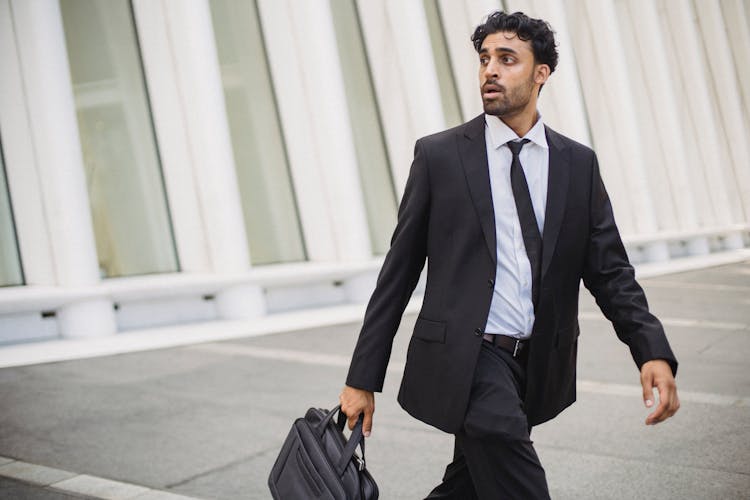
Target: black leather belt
{"x":514,"y":346}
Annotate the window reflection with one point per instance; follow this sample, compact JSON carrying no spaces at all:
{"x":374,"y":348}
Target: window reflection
{"x":369,"y":142}
{"x":11,"y":272}
{"x":270,"y":210}
{"x":123,"y":171}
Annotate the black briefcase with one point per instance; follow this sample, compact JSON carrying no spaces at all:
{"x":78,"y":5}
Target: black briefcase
{"x":318,"y":462}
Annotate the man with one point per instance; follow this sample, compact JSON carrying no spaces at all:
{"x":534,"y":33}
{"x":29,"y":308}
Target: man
{"x":510,"y":216}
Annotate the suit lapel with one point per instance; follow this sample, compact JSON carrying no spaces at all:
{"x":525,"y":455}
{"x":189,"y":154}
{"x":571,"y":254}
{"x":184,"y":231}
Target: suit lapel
{"x":557,"y":191}
{"x":473,"y":152}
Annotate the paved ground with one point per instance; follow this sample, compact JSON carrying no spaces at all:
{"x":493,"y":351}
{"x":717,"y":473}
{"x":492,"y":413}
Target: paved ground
{"x":207,"y":420}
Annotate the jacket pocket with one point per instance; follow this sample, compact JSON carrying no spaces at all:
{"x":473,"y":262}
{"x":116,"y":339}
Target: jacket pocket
{"x":429,"y":330}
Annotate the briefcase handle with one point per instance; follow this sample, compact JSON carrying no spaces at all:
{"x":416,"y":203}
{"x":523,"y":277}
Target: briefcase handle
{"x":356,"y":438}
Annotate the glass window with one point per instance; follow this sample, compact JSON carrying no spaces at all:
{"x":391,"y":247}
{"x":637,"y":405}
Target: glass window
{"x":10,"y":261}
{"x":443,"y":67}
{"x":367,"y":131}
{"x":270,"y":209}
{"x":123,"y":170}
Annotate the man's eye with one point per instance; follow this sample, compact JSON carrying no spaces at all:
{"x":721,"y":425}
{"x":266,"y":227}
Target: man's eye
{"x":508,"y":60}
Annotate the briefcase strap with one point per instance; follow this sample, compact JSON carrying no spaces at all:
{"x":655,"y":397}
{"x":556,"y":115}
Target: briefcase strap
{"x":356,"y":438}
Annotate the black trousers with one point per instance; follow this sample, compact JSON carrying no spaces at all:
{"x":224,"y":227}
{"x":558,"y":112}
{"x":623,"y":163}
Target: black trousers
{"x":494,"y":457}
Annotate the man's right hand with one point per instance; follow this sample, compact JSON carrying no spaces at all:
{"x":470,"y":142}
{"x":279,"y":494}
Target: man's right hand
{"x":356,"y":401}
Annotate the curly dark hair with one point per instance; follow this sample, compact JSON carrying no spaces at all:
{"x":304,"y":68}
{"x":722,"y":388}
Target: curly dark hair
{"x":537,"y":31}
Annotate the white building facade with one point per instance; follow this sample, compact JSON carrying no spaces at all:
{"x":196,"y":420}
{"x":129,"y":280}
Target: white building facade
{"x":176,"y":161}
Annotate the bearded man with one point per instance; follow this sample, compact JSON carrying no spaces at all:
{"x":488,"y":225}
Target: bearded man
{"x":510,"y":216}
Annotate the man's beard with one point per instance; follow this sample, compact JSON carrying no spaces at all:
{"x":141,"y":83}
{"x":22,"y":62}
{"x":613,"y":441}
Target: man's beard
{"x":511,"y":101}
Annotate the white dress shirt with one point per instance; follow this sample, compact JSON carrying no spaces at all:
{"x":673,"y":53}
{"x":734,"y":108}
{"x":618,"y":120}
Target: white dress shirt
{"x":511,"y":310}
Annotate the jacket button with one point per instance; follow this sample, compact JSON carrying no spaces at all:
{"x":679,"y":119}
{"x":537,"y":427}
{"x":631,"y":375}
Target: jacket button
{"x":491,"y":283}
{"x":478,"y":332}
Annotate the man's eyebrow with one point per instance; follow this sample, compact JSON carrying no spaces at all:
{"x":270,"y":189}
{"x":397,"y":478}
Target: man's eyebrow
{"x":485,"y":50}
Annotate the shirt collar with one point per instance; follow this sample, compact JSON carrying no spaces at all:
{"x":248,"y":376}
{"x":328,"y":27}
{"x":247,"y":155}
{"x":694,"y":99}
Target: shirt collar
{"x":500,"y":133}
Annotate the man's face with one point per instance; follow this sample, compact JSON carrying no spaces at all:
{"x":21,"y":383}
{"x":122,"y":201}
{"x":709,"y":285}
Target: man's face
{"x":508,"y":77}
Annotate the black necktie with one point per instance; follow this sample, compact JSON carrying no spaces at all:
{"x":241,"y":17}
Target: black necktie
{"x":532,"y":240}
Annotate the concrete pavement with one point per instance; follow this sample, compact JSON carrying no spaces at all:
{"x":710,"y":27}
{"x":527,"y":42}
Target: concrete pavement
{"x":206,"y":420}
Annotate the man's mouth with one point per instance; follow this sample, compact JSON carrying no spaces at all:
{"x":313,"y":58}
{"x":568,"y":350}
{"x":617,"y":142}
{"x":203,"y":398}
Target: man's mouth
{"x":491,"y":90}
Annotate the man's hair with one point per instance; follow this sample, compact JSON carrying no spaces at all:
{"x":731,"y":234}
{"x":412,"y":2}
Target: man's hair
{"x":536,"y":31}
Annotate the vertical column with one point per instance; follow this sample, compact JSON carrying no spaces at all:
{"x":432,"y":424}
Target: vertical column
{"x":640,"y":72}
{"x":408,"y":91}
{"x":20,"y":162}
{"x":561,"y":100}
{"x":172,"y":136}
{"x":659,"y":119}
{"x":623,"y":123}
{"x":287,"y":66}
{"x":737,"y":19}
{"x":459,"y":24}
{"x":312,"y":103}
{"x":56,"y":142}
{"x":191,"y":35}
{"x":729,"y":98}
{"x":597,"y":107}
{"x":416,"y":62}
{"x":619,"y":97}
{"x":399,"y":131}
{"x":699,"y":119}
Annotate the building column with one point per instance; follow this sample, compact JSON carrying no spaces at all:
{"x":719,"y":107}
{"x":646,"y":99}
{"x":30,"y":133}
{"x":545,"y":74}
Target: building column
{"x":737,"y":19}
{"x":400,"y":53}
{"x":59,"y":162}
{"x":729,"y":99}
{"x":307,"y":76}
{"x":191,"y":35}
{"x":600,"y":118}
{"x":700,"y":123}
{"x":20,"y":162}
{"x":561,"y":100}
{"x":172,"y":136}
{"x":657,"y":108}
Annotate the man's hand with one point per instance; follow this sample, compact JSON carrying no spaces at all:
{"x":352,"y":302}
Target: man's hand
{"x":657,"y":373}
{"x":355,"y":401}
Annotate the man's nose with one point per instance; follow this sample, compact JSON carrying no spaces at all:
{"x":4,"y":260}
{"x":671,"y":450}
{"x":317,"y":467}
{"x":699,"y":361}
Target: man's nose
{"x":492,"y":70}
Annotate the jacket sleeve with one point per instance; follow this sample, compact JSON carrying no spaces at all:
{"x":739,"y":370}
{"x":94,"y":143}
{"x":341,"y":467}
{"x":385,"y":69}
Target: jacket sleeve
{"x":611,"y":279}
{"x":397,"y":279}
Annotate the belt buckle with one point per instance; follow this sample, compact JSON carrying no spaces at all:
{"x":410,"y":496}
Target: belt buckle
{"x":515,"y":347}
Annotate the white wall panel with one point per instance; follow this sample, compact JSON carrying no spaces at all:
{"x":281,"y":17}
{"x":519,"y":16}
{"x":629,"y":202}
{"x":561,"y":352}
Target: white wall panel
{"x":701,"y":123}
{"x":197,"y":67}
{"x":640,"y":55}
{"x":460,"y":18}
{"x":398,"y":45}
{"x":659,"y":120}
{"x":54,"y":132}
{"x":600,"y":116}
{"x":312,"y":103}
{"x":20,"y":162}
{"x":167,"y":104}
{"x":295,"y":101}
{"x":727,"y":95}
{"x":737,"y":20}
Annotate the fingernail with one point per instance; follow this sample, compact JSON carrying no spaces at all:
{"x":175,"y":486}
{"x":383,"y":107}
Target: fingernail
{"x":367,"y":434}
{"x":649,"y":403}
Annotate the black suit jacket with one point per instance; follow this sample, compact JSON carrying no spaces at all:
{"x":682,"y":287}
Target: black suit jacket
{"x":446,"y":216}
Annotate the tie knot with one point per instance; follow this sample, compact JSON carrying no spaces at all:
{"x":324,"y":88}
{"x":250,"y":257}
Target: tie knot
{"x":515,"y":146}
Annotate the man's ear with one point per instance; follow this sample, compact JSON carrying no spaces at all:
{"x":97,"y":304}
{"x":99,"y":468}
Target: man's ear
{"x":541,"y":73}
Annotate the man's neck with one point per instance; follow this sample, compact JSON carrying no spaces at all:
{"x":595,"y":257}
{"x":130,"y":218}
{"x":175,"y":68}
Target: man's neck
{"x":522,"y":122}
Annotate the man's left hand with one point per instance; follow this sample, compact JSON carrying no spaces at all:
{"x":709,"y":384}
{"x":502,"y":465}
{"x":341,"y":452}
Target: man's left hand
{"x":657,"y":373}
